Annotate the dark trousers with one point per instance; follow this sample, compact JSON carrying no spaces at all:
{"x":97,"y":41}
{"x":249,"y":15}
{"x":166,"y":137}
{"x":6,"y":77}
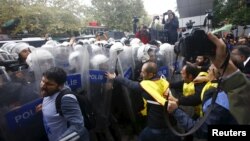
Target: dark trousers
{"x":150,"y":134}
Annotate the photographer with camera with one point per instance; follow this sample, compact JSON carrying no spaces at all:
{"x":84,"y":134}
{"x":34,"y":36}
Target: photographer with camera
{"x":232,"y":99}
{"x":238,"y":93}
{"x":170,"y":26}
{"x":200,"y":43}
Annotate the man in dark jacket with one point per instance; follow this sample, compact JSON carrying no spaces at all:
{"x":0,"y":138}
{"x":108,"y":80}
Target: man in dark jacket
{"x":238,"y":93}
{"x":241,"y":57}
{"x":170,"y":26}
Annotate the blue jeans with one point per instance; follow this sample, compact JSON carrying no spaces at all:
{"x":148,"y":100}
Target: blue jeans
{"x":150,"y":134}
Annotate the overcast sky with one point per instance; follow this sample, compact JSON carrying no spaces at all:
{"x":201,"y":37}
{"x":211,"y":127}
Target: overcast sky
{"x":158,"y":7}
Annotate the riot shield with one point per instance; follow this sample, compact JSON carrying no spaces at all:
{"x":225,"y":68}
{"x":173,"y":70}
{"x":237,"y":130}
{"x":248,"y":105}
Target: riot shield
{"x":98,"y":87}
{"x":75,"y":62}
{"x":39,"y":61}
{"x":122,"y":59}
{"x":100,"y":96}
{"x":144,"y":53}
{"x":101,"y":44}
{"x":9,"y":46}
{"x":61,"y":55}
{"x":86,"y":44}
{"x":125,"y":58}
{"x":96,"y":50}
{"x":19,"y":98}
{"x":78,"y":74}
{"x":7,"y":59}
{"x":135,"y":61}
{"x":168,"y":57}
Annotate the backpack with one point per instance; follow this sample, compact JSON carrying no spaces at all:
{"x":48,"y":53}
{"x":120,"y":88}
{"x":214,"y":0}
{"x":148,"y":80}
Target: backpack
{"x":84,"y":104}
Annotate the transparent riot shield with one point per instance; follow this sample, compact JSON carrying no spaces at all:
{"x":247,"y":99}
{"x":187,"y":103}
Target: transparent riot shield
{"x":126,"y":60}
{"x":78,"y":69}
{"x":19,"y":99}
{"x":39,"y":61}
{"x":7,"y":60}
{"x":101,"y":44}
{"x":135,"y":60}
{"x":61,"y":55}
{"x":9,"y":46}
{"x":121,"y":58}
{"x":167,"y":58}
{"x":100,"y":95}
{"x":75,"y":62}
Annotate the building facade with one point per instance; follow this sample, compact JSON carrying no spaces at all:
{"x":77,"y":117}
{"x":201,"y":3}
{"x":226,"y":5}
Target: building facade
{"x":191,"y":8}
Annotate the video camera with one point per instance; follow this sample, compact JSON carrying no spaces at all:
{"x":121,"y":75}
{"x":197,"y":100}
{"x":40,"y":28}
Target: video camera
{"x":13,"y":65}
{"x":10,"y":62}
{"x":194,"y":44}
{"x":190,"y":24}
{"x":135,"y":19}
{"x":157,"y":17}
{"x":209,"y":14}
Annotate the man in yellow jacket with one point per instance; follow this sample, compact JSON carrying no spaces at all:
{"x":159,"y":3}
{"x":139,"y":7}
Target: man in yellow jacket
{"x":152,"y":88}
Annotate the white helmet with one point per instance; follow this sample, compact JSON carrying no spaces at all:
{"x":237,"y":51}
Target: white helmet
{"x":73,"y":59}
{"x":65,"y":44}
{"x":52,"y":43}
{"x":92,"y":40}
{"x":96,"y":49}
{"x":164,"y":48}
{"x":123,"y":39}
{"x":111,"y":40}
{"x":19,"y":47}
{"x":77,"y":47}
{"x":142,"y":53}
{"x":117,"y":46}
{"x":8,"y":46}
{"x":4,"y":55}
{"x":98,"y":59}
{"x":135,"y":41}
{"x":40,"y":58}
{"x":83,"y":42}
{"x":159,"y":42}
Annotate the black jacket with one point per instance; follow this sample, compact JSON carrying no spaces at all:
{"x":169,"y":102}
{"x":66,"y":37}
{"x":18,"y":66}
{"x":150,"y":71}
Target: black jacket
{"x":155,"y":117}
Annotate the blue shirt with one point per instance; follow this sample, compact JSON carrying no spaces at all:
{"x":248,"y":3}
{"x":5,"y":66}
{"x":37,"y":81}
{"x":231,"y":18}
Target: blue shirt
{"x":57,"y":126}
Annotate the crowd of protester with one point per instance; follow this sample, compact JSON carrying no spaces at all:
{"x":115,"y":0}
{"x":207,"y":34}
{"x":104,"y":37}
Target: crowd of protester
{"x":142,"y":78}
